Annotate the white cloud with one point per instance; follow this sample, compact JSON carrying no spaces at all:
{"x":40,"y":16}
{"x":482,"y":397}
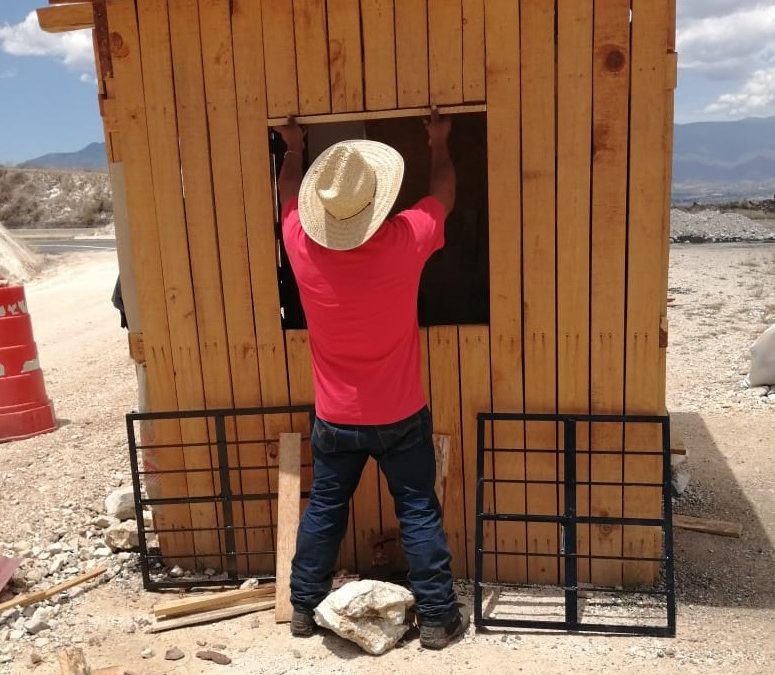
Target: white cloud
{"x":73,"y":49}
{"x":701,"y":9}
{"x":732,"y":46}
{"x":88,"y":79}
{"x":755,"y":97}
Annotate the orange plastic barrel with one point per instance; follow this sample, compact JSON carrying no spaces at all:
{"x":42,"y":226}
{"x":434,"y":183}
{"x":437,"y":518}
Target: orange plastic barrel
{"x":25,"y":408}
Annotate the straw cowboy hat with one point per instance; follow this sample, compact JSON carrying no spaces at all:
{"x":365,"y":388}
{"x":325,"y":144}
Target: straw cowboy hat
{"x":348,"y":192}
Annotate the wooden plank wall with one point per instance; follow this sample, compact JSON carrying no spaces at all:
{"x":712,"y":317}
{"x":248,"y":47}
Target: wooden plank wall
{"x":579,"y":107}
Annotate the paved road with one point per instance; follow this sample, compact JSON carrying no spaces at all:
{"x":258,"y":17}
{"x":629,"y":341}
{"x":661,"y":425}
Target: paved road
{"x":70,"y":245}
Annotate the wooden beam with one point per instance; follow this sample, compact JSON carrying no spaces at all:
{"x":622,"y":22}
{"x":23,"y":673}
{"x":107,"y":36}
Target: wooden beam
{"x":379,"y":53}
{"x":64,"y":18}
{"x":209,"y":617}
{"x":73,"y":662}
{"x":288,"y":494}
{"x":38,"y":596}
{"x":210,"y":601}
{"x":344,"y":55}
{"x":411,"y":18}
{"x":722,"y":528}
{"x":379,"y":114}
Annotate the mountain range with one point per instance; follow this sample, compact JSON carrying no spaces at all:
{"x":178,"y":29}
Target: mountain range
{"x":711,"y":160}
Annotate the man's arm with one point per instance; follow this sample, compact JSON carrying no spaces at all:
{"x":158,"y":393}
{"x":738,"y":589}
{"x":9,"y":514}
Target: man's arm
{"x":443,"y":178}
{"x":292,"y":171}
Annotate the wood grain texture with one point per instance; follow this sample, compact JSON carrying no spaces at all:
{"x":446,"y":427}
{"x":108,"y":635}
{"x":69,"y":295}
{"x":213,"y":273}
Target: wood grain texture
{"x":609,"y":233}
{"x":288,"y":495}
{"x":344,"y":55}
{"x":282,"y":97}
{"x":473,"y":51}
{"x":648,"y":196}
{"x":311,"y":38}
{"x":445,"y":385}
{"x":502,"y":23}
{"x":159,"y":378}
{"x":379,"y":54}
{"x":168,"y":196}
{"x":411,"y":18}
{"x":574,"y":141}
{"x":539,"y":280}
{"x":445,"y":51}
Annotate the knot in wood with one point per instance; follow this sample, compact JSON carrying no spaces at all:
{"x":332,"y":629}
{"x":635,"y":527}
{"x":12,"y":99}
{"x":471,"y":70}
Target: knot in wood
{"x":615,"y":60}
{"x":118,"y":47}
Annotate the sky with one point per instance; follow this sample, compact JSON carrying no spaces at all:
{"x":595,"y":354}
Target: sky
{"x":48,"y":91}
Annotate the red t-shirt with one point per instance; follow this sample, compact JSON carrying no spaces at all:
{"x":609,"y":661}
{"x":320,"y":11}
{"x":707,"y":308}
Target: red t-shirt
{"x":361,"y":310}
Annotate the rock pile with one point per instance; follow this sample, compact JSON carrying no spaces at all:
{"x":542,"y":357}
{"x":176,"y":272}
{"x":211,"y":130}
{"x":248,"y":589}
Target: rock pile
{"x":710,"y":226}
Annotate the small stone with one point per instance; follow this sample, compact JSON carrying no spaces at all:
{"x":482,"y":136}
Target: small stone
{"x":176,"y":571}
{"x":121,"y":503}
{"x":124,"y":556}
{"x":102,"y":552}
{"x":35,"y":626}
{"x":147,"y":653}
{"x":210,"y":572}
{"x":201,"y":643}
{"x":15,"y":634}
{"x":104,"y":522}
{"x":218,"y":645}
{"x":123,"y":536}
{"x":173,"y":654}
{"x":215,"y":657}
{"x":41,"y":642}
{"x":296,"y":653}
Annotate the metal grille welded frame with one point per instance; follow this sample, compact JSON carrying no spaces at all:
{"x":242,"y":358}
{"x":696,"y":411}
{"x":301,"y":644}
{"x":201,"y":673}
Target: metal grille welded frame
{"x":569,"y":520}
{"x":225,"y":497}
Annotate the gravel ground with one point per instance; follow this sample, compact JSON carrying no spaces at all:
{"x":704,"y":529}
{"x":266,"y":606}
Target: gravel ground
{"x":714,"y":226}
{"x":52,"y":491}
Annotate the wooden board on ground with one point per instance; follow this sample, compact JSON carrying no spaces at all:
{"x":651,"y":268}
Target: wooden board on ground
{"x":210,"y":617}
{"x":723,"y":528}
{"x":38,"y":596}
{"x":210,"y":601}
{"x":287,"y":521}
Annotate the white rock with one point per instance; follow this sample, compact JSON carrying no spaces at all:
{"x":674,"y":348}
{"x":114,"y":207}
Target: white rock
{"x":105,"y":521}
{"x":35,"y":626}
{"x":147,"y":653}
{"x":176,"y":571}
{"x":16,"y":634}
{"x":121,"y":503}
{"x":681,"y":480}
{"x":373,"y":614}
{"x":123,"y":536}
{"x":102,"y":552}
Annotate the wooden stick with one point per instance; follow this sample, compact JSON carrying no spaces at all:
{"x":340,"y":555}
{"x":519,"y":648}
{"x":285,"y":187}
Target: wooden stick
{"x":209,"y":617}
{"x":722,"y":528}
{"x":200,"y":603}
{"x":32,"y":598}
{"x":288,"y":494}
{"x":441,"y":446}
{"x":379,"y":114}
{"x":73,"y":662}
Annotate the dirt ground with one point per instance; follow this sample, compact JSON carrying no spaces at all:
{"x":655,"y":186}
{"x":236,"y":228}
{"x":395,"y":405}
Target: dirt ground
{"x":51,"y":487}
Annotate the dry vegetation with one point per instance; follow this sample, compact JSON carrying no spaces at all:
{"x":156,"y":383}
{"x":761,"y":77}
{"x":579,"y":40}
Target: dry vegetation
{"x":42,"y":198}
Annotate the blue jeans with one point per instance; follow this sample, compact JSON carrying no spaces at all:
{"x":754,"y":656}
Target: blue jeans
{"x":405,"y":454}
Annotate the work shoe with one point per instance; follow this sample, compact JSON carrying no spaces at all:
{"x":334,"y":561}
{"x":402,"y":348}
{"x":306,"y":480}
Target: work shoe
{"x":303,"y":624}
{"x":438,"y":637}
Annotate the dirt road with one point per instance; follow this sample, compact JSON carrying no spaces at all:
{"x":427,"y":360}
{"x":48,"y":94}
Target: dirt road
{"x":51,"y":488}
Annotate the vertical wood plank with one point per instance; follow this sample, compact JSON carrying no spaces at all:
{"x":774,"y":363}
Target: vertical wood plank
{"x":475,"y":397}
{"x":412,"y":52}
{"x":379,"y":54}
{"x":168,"y":193}
{"x":309,"y":21}
{"x":609,"y":233}
{"x":146,"y":259}
{"x":445,"y":49}
{"x":574,"y":141}
{"x":445,"y":384}
{"x":473,"y":51}
{"x":344,"y":55}
{"x":539,"y":283}
{"x":221,"y":104}
{"x":287,"y":522}
{"x":502,"y":23}
{"x":282,"y":97}
{"x":647,"y":229}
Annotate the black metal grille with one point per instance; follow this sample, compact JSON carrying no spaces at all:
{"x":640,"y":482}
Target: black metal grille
{"x":571,"y":605}
{"x":200,"y":490}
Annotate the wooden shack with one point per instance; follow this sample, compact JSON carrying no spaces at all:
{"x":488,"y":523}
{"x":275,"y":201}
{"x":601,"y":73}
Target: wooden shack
{"x":550,"y":295}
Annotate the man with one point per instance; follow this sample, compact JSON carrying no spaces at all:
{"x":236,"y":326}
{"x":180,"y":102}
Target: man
{"x":358,"y":275}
